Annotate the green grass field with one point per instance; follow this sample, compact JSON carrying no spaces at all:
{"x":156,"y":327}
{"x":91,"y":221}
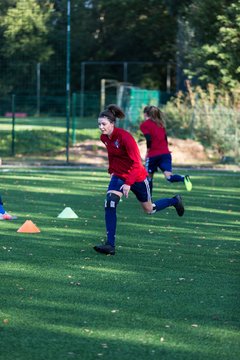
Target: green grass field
{"x":45,"y":122}
{"x":171,"y":292}
{"x":44,"y":138}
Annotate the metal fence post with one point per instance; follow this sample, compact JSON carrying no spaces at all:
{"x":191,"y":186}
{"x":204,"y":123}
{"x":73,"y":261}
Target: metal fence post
{"x":82,"y":89}
{"x":38,"y":88}
{"x":68,"y":99}
{"x":13,"y":125}
{"x":74,"y":102}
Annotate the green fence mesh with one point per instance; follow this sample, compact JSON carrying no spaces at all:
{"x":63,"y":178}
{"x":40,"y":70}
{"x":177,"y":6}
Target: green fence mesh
{"x":133,"y":100}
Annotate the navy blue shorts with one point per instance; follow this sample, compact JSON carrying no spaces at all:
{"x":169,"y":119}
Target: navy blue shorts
{"x":163,"y":162}
{"x":140,"y":189}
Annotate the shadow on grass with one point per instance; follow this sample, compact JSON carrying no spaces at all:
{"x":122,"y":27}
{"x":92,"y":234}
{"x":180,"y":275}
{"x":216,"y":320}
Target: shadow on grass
{"x":171,"y":290}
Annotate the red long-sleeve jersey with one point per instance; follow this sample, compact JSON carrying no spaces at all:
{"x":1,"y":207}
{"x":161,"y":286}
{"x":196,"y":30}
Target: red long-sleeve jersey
{"x":159,"y":143}
{"x":124,"y":156}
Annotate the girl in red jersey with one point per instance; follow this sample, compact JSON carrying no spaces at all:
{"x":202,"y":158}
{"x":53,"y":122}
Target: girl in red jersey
{"x":158,"y":154}
{"x":127,"y":173}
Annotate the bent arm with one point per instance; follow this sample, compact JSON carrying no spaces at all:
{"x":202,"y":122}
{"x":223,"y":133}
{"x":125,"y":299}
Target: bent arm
{"x":148,"y":140}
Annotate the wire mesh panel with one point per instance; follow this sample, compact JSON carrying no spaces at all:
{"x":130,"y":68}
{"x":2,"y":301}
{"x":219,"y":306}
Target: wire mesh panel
{"x":133,"y":100}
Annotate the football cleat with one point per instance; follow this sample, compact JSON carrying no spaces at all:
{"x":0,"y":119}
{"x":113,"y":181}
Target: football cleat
{"x":105,"y":249}
{"x":179,"y":206}
{"x":187,"y":183}
{"x":7,"y":216}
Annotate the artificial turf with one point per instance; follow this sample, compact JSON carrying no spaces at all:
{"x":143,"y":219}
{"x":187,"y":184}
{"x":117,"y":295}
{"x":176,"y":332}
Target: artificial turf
{"x":171,"y":291}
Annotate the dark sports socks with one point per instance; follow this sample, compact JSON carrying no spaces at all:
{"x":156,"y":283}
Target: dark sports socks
{"x":163,"y":203}
{"x":111,"y":224}
{"x":176,"y":178}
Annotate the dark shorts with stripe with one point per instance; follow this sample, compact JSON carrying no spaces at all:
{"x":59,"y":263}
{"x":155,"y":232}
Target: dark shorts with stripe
{"x":163,"y":162}
{"x":140,"y":189}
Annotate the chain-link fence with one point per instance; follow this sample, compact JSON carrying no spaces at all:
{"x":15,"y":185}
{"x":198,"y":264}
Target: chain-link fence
{"x":37,"y":129}
{"x":33,"y":113}
{"x":26,"y":134}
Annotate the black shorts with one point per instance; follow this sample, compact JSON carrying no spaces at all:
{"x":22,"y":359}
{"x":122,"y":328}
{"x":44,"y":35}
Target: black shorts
{"x":163,"y":162}
{"x":140,"y":189}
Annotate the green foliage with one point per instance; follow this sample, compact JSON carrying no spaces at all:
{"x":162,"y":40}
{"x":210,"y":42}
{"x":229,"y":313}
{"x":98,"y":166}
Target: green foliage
{"x":171,"y":291}
{"x":206,"y":45}
{"x":214,"y":51}
{"x":203,"y":35}
{"x":24,"y":37}
{"x":210,"y":116}
{"x":100,"y":31}
{"x":178,"y":119}
{"x":25,"y":30}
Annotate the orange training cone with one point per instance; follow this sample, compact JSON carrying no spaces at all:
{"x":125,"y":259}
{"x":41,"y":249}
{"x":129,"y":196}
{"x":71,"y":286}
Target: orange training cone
{"x":28,"y":227}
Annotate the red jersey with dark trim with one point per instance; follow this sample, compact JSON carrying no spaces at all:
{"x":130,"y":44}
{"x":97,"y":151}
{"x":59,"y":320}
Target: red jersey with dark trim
{"x":159,"y":143}
{"x":124,"y":156}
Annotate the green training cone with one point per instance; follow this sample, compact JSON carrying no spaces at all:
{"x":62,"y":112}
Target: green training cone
{"x":67,"y":213}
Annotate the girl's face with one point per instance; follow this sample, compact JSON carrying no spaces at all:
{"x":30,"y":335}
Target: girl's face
{"x":145,"y":116}
{"x":105,"y":126}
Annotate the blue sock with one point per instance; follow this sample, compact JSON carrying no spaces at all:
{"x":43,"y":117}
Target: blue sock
{"x":164,"y":203}
{"x":175,"y":178}
{"x":2,"y":211}
{"x":111,"y":224}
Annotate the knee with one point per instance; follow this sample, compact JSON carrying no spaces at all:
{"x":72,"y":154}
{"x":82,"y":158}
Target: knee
{"x":168,"y":176}
{"x":112,"y":200}
{"x":149,"y":209}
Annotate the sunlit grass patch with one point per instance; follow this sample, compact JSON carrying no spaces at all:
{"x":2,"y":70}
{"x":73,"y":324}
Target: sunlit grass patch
{"x":170,"y":292}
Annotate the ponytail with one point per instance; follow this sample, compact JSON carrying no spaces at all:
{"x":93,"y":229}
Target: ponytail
{"x":112,"y":112}
{"x":157,"y":116}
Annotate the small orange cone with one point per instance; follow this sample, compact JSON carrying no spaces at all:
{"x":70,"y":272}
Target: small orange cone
{"x":28,"y":227}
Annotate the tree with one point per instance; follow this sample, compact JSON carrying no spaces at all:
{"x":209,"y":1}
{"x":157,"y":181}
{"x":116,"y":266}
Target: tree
{"x":33,"y":31}
{"x":120,"y":30}
{"x":117,"y":30}
{"x":24,"y":32}
{"x":214,"y":51}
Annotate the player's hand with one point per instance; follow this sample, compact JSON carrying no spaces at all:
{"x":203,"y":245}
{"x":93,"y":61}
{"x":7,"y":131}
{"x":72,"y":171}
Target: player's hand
{"x":125,"y":189}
